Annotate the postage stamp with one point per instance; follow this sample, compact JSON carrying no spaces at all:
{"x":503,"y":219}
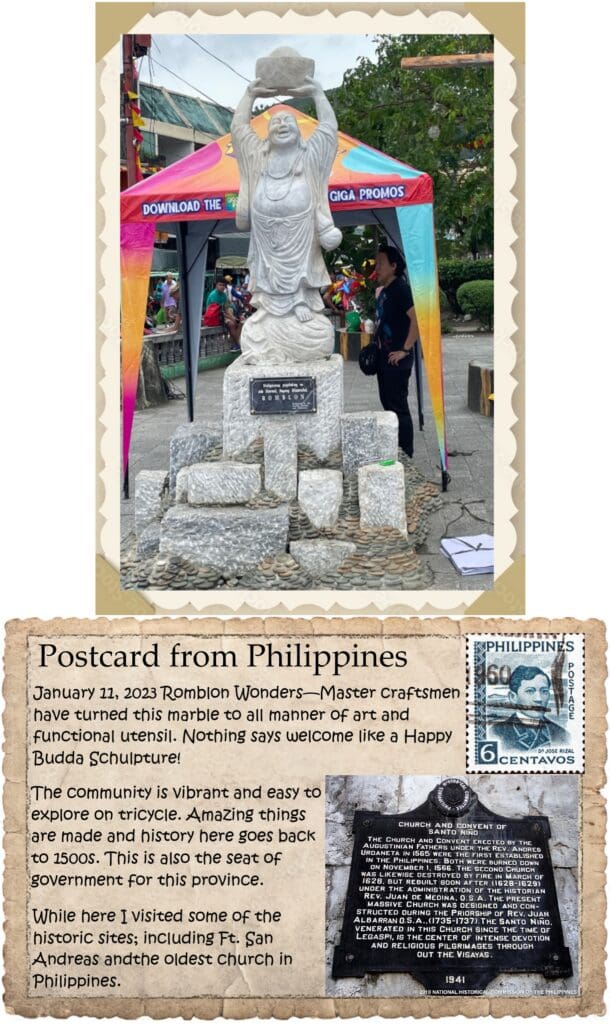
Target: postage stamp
{"x":526,"y":697}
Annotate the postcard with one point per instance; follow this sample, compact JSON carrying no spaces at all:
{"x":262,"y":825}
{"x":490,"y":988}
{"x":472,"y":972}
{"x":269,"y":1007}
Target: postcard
{"x":276,"y":817}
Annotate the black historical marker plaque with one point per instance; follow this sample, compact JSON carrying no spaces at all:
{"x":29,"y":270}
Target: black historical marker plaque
{"x":452,"y":894}
{"x":272,"y":396}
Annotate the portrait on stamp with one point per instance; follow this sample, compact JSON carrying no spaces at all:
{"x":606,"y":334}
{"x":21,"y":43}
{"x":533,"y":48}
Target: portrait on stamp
{"x":528,"y":725}
{"x":526,"y":697}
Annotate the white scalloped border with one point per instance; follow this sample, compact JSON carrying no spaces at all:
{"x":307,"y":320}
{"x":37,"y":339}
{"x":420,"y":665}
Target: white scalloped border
{"x":505,"y":351}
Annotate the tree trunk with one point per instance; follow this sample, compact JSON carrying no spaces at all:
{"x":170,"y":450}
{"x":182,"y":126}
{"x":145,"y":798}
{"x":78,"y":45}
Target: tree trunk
{"x":151,"y":386}
{"x":480,"y":388}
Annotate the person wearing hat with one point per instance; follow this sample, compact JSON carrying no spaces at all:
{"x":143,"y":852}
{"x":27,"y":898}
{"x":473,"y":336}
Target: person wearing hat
{"x":229,"y":286}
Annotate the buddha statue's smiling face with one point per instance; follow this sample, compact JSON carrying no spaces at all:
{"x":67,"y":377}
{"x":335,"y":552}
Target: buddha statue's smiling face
{"x":283,"y":131}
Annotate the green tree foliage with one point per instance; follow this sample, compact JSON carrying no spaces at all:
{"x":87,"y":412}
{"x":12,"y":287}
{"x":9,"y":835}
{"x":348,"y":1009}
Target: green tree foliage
{"x":358,"y":246}
{"x":454,"y":272}
{"x":477,"y":298}
{"x":439,"y":120}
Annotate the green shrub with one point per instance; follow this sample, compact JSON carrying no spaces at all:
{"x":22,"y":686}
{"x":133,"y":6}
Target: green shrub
{"x":454,"y":272}
{"x":477,"y":298}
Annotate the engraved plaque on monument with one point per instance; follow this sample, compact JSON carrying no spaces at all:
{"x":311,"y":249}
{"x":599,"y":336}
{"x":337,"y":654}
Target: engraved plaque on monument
{"x":271,"y":396}
{"x":452,"y":894}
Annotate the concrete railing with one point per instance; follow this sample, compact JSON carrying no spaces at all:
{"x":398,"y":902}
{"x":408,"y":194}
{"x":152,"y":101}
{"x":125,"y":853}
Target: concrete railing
{"x":170,"y":347}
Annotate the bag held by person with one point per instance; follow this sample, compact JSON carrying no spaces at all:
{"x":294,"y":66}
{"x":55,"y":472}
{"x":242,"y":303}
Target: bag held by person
{"x":213,"y":315}
{"x":368,"y":358}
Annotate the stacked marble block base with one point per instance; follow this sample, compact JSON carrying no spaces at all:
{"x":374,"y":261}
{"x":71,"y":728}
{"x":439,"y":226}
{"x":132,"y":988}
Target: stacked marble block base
{"x":203,"y":511}
{"x":210,"y":524}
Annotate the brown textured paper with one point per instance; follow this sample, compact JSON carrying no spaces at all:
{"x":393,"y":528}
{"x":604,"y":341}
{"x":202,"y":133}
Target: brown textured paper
{"x":507,"y":23}
{"x":292,"y":889}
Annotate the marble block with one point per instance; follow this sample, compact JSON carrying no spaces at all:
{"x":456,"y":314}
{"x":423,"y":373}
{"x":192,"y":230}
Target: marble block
{"x":381,"y":495}
{"x":148,"y":540}
{"x":320,"y":495}
{"x":284,"y":69}
{"x":387,"y":435}
{"x":320,"y":431}
{"x":189,"y":444}
{"x":368,"y":437}
{"x":358,"y":440}
{"x":148,"y":497}
{"x":317,"y":557}
{"x":228,"y":539}
{"x":182,"y":484}
{"x":223,"y":483}
{"x":281,"y":458}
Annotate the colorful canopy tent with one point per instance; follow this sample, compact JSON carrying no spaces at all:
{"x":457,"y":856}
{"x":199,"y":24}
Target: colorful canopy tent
{"x":198,"y":195}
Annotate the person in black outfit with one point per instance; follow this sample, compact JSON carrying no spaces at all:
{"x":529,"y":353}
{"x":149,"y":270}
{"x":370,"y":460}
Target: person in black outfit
{"x":396,"y":334}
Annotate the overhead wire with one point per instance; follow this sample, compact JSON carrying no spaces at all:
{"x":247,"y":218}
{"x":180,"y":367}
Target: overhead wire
{"x":222,"y":106}
{"x":226,"y":64}
{"x":219,"y":59}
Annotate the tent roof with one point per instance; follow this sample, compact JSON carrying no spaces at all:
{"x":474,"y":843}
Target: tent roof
{"x":205,"y":184}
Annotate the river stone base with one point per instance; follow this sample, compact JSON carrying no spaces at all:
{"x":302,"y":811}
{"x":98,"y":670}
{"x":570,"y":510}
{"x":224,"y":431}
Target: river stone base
{"x":319,"y":431}
{"x":227,"y":538}
{"x":368,"y":437}
{"x":318,"y":557}
{"x":383,"y":559}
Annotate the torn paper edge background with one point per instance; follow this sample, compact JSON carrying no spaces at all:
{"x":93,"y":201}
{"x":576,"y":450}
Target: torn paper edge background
{"x":593,"y":860}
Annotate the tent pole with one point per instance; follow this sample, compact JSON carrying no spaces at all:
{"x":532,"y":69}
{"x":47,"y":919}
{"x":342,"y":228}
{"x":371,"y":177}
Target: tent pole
{"x":126,"y":482}
{"x":186,"y":319}
{"x":388,"y":234}
{"x":419,"y":385}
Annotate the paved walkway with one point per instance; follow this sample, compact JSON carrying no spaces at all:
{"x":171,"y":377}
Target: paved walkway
{"x":467,"y":506}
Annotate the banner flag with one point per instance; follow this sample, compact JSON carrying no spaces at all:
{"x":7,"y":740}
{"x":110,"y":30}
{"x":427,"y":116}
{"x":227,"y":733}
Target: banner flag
{"x":137,"y":241}
{"x":416,"y":225}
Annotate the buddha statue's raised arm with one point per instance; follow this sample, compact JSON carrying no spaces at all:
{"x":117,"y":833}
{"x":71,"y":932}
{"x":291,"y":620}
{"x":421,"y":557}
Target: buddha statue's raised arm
{"x":324,"y":111}
{"x":243,"y":110}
